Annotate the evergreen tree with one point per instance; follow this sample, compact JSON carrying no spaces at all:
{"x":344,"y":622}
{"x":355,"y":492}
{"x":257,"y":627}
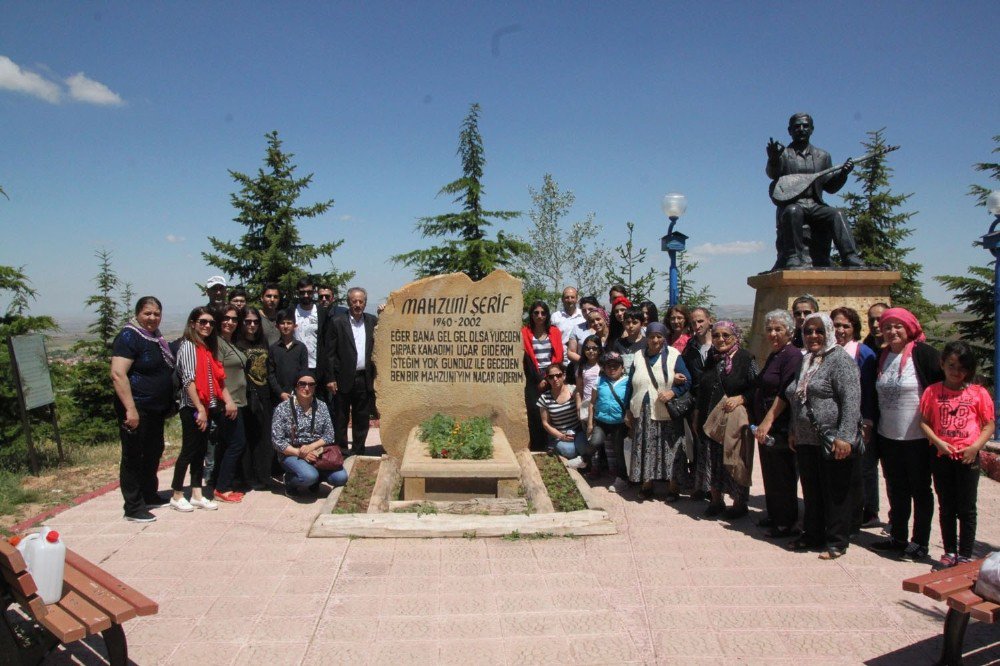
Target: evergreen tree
{"x":629,"y":273}
{"x":271,"y":249}
{"x":466,"y":247}
{"x":974,"y":290}
{"x":106,"y":304}
{"x":561,"y":255}
{"x":880,"y":228}
{"x":689,"y":294}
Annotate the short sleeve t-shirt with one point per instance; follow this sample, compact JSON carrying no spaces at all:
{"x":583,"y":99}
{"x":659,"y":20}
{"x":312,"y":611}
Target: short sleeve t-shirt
{"x":562,"y":416}
{"x":899,"y":400}
{"x":150,"y":378}
{"x":957,"y":417}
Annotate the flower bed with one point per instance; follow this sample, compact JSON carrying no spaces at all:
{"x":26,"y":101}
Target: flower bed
{"x":458,"y":440}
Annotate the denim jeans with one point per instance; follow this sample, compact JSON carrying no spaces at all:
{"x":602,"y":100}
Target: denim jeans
{"x":300,"y":474}
{"x":578,"y":447}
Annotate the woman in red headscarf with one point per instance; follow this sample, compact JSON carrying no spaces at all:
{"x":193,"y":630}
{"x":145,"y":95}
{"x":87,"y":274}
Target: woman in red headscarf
{"x":906,"y":366}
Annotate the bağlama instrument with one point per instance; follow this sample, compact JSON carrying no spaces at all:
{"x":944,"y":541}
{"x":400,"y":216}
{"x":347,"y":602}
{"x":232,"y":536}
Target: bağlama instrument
{"x":792,"y":186}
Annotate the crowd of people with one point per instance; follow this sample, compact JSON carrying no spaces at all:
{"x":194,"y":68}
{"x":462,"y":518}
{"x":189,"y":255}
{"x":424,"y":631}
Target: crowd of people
{"x":632,"y":400}
{"x":261,"y":392}
{"x":625,"y":397}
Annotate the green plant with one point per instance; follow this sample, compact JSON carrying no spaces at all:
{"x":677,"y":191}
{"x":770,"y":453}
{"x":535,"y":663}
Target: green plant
{"x":513,"y":536}
{"x":356,"y":495}
{"x":469,"y":535}
{"x":562,"y":490}
{"x":12,"y":493}
{"x":458,"y":440}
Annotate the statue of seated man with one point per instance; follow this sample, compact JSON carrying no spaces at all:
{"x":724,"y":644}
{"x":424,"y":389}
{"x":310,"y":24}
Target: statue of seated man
{"x":806,"y":225}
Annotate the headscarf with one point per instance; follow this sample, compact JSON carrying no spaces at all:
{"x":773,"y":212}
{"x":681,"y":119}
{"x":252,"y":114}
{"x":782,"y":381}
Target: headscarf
{"x":621,"y":300}
{"x":914,"y":334}
{"x":155,"y":336}
{"x":738,"y":333}
{"x":656,"y":327}
{"x":603,"y":313}
{"x":812,"y":360}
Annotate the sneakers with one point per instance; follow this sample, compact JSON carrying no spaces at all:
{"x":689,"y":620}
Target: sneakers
{"x":204,"y":503}
{"x":962,"y":559}
{"x":948,"y":560}
{"x":181,"y":505}
{"x":575,"y":463}
{"x":142,"y":516}
{"x":914,"y":552}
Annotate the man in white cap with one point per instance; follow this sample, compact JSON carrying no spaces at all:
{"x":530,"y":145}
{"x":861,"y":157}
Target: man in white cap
{"x":216,"y":287}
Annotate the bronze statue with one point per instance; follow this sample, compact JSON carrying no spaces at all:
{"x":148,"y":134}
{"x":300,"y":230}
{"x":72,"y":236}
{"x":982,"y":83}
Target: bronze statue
{"x":806,"y":225}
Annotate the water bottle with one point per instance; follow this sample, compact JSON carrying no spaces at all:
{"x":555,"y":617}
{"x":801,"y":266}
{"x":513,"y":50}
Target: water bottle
{"x":48,"y":565}
{"x":768,"y":441}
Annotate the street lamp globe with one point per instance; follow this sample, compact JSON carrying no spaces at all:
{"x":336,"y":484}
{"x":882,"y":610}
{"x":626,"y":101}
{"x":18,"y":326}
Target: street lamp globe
{"x":992,"y":202}
{"x":674,"y":205}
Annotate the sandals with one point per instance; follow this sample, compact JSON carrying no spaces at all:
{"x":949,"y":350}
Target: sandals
{"x":800,"y":545}
{"x":230,"y":496}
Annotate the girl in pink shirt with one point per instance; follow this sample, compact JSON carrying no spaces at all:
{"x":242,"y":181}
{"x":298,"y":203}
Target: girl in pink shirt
{"x":957,"y":417}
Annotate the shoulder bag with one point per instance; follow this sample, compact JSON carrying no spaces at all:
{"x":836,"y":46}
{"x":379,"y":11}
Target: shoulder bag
{"x":331,"y":458}
{"x":826,"y":438}
{"x":680,"y":405}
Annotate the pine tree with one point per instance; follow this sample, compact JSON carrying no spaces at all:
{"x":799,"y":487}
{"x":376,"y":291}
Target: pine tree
{"x":880,"y":229}
{"x":561,"y":255}
{"x":629,"y":273}
{"x":466,"y":247}
{"x":689,"y":294}
{"x":106,"y":303}
{"x":271,"y":249}
{"x":975,"y":289}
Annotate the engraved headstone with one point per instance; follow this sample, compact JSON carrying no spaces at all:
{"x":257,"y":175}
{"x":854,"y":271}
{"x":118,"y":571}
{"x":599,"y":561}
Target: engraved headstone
{"x":448,"y":344}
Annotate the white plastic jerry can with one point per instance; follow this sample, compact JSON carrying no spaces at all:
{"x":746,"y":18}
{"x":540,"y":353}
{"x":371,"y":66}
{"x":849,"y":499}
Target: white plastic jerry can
{"x":48,"y":563}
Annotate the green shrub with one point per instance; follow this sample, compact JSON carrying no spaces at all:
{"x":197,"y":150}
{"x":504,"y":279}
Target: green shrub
{"x":466,"y":440}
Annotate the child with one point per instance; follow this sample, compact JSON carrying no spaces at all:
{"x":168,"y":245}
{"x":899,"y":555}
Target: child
{"x":957,"y":417}
{"x":606,"y":421}
{"x":587,"y":372}
{"x":287,"y":358}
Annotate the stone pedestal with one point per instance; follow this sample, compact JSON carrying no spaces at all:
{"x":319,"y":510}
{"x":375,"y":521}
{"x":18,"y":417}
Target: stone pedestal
{"x":427,"y":478}
{"x":831,"y":288}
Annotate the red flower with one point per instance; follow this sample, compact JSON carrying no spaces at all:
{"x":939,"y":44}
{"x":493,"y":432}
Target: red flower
{"x":444,"y":453}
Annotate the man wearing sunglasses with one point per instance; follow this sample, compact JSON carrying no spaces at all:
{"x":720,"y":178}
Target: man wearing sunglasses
{"x":307,"y":318}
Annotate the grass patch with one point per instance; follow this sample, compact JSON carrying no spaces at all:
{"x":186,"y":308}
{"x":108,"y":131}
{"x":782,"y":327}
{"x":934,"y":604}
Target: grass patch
{"x":422,"y":509}
{"x":562,"y":490}
{"x":14,"y":494}
{"x":356,"y":495}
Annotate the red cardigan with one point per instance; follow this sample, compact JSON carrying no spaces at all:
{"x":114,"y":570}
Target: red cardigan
{"x":555,"y":336}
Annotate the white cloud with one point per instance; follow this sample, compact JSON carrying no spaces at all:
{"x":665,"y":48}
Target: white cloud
{"x":171,"y":238}
{"x":728,"y":249}
{"x":346,"y":218}
{"x":12,"y":77}
{"x":87,"y":90}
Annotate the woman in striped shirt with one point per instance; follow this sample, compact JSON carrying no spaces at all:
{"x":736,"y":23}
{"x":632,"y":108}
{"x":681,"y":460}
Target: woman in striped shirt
{"x":542,"y":348}
{"x":560,"y":418}
{"x":204,"y":398}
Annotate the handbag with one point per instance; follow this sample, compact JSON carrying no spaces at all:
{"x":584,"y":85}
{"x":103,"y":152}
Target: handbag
{"x":331,"y":458}
{"x":680,"y":405}
{"x":857,"y":446}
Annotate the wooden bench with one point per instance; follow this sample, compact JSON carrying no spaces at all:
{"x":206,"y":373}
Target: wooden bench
{"x":93,"y":602}
{"x":955,"y":586}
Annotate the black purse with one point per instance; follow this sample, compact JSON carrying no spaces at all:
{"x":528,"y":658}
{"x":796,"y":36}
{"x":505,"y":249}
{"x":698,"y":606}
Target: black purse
{"x":857,"y":446}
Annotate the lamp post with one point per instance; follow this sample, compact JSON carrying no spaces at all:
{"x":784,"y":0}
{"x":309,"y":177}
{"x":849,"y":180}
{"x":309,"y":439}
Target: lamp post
{"x":991,"y":241}
{"x":673,"y":205}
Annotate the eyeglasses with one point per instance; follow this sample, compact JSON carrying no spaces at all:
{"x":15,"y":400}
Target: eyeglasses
{"x":556,"y":375}
{"x":814,"y":331}
{"x":326,"y":297}
{"x":538,"y":313}
{"x":232,"y":319}
{"x":305,"y":384}
{"x":251,"y":322}
{"x":305,"y":292}
{"x":205,"y":322}
{"x":722,"y":336}
{"x":589,"y":349}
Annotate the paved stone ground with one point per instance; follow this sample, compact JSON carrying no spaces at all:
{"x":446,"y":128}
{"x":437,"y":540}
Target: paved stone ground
{"x":243,"y":585}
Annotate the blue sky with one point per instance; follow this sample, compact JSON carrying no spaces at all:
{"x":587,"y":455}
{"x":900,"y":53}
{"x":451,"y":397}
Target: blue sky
{"x":122,"y":119}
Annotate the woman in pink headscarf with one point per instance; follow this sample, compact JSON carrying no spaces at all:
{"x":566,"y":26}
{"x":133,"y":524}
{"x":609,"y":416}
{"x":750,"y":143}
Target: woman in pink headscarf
{"x":906,"y":366}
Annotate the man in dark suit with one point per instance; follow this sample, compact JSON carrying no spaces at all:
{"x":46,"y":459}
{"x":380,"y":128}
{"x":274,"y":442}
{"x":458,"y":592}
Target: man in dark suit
{"x":326,"y":310}
{"x":350,"y":374}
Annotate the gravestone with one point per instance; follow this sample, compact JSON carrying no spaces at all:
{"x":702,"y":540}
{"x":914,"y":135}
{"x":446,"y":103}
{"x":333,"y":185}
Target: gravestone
{"x":448,"y":344}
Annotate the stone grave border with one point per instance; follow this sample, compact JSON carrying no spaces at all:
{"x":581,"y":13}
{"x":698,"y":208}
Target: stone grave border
{"x":379,"y":521}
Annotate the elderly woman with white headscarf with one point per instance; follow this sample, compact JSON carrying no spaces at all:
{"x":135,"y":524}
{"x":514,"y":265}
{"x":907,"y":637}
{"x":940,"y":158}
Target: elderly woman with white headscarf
{"x":826,"y":407}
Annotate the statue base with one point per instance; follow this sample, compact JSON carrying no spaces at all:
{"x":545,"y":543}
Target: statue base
{"x":832,"y":288}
